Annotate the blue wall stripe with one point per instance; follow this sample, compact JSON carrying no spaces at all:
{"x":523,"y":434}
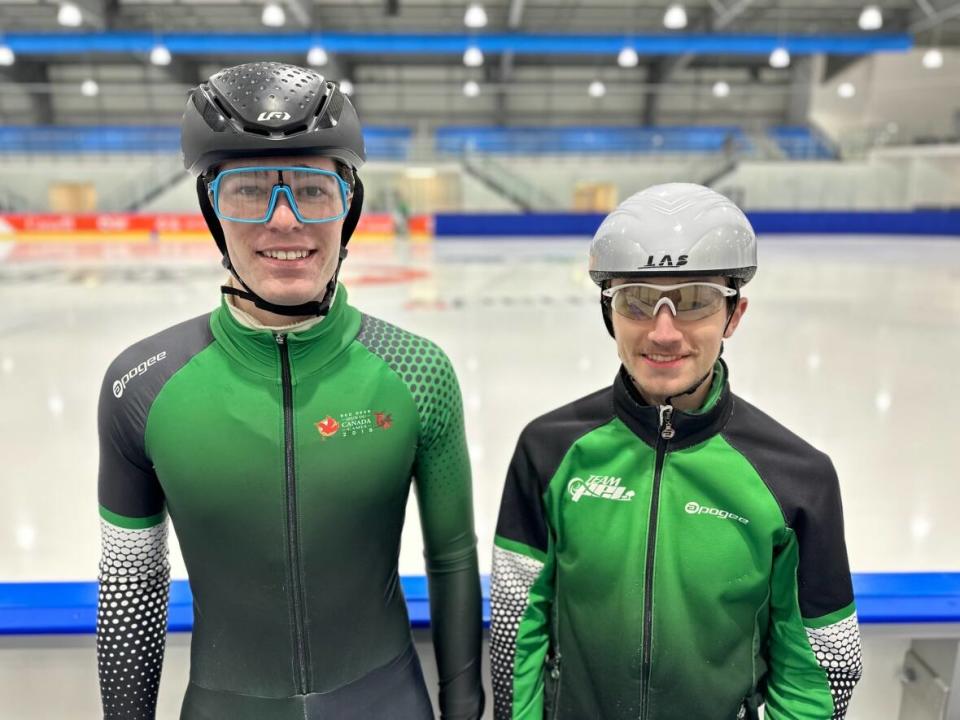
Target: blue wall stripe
{"x":71,"y":43}
{"x":917,"y":222}
{"x":70,"y":607}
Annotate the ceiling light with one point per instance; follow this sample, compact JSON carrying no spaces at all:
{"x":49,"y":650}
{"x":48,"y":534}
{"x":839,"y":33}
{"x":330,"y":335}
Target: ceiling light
{"x":7,"y":56}
{"x":317,"y":56}
{"x":721,"y":89}
{"x":933,"y":59}
{"x":273,"y":15}
{"x":628,"y":58}
{"x":871,"y":18}
{"x":346,"y":87}
{"x":89,"y":88}
{"x":69,"y":15}
{"x":471,"y":88}
{"x":780,"y":58}
{"x":846,"y":90}
{"x":675,"y":18}
{"x":475,"y":17}
{"x":473,"y":56}
{"x":160,"y":55}
{"x":597,"y":89}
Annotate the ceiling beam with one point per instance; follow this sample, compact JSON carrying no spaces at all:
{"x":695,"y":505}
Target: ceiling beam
{"x":514,"y":20}
{"x":299,"y":12}
{"x":938,"y":18}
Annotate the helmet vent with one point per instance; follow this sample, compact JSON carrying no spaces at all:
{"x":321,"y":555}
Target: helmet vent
{"x":329,"y":112}
{"x":256,"y":131}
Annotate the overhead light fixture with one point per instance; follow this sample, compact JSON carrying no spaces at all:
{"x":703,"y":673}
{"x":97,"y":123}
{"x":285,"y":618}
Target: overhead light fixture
{"x":597,"y":89}
{"x":89,"y":88}
{"x":475,"y":17}
{"x":871,"y":18}
{"x":721,"y":89}
{"x":473,"y":56}
{"x":346,"y":87}
{"x":69,"y":15}
{"x":317,"y":56}
{"x":846,"y":90}
{"x":780,"y":58}
{"x":7,"y":56}
{"x":628,"y":58}
{"x":160,"y":55}
{"x":273,"y":15}
{"x":471,"y":88}
{"x":675,"y":18}
{"x":933,"y":59}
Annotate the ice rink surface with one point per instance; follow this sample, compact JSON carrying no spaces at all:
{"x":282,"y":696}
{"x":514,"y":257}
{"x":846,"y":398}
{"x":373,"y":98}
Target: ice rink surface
{"x":852,"y":342}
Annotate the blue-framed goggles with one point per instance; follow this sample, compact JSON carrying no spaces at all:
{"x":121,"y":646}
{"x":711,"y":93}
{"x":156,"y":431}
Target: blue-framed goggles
{"x":250,"y":194}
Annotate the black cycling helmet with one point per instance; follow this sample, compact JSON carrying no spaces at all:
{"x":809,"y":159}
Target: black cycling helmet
{"x":269,"y":108}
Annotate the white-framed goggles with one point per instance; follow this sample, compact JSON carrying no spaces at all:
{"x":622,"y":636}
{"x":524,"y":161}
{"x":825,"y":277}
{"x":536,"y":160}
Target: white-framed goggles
{"x":687,"y":301}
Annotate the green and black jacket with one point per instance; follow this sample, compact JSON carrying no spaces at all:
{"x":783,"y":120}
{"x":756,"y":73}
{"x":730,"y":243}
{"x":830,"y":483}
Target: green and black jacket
{"x":656,"y":564}
{"x":285,"y":463}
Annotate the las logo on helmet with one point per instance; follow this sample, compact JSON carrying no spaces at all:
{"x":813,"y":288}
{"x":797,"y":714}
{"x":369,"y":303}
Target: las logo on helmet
{"x":666,"y":261}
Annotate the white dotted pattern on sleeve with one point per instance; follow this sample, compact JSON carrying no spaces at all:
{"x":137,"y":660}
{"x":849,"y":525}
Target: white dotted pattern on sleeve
{"x":132,"y":619}
{"x":837,"y":648}
{"x":513,"y":576}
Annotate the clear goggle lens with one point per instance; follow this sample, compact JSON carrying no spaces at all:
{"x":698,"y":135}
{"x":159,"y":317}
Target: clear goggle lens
{"x":687,"y":301}
{"x":251,"y":194}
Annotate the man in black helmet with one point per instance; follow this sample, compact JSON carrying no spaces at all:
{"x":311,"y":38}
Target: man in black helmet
{"x":281,"y":434}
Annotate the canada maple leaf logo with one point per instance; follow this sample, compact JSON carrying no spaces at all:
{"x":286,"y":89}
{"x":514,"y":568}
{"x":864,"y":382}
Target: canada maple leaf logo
{"x":384,"y":420}
{"x":328,"y":426}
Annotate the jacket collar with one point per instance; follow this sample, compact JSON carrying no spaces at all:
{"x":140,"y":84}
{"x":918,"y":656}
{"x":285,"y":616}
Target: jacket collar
{"x":691,"y":428}
{"x":310,"y":350}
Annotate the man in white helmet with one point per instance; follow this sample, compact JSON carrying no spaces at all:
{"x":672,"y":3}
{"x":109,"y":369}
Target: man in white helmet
{"x":664,"y":549}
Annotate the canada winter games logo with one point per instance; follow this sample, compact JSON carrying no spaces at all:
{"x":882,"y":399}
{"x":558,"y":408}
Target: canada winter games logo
{"x":361,"y":422}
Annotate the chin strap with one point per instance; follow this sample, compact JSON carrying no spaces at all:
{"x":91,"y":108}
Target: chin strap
{"x":314,"y":307}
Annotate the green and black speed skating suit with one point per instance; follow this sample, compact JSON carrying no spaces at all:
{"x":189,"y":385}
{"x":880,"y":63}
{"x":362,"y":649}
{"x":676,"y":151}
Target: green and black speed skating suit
{"x":285,"y":463}
{"x":663,"y":565}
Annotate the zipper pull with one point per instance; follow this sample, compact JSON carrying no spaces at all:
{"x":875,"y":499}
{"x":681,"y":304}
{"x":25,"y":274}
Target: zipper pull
{"x":281,"y":339}
{"x":554,"y":664}
{"x":666,"y":429}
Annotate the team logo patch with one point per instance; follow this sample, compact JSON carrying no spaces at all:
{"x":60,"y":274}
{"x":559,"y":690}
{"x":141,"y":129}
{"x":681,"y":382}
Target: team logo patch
{"x":604,"y":487}
{"x":351,"y":424}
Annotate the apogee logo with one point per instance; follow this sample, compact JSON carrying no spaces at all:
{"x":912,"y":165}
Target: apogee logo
{"x":120,"y":385}
{"x":695,"y":508}
{"x":605,"y":487}
{"x":273,"y":115}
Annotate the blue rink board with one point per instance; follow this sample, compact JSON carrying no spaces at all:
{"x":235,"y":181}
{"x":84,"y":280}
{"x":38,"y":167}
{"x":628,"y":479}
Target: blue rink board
{"x":532,"y":225}
{"x":70,"y":607}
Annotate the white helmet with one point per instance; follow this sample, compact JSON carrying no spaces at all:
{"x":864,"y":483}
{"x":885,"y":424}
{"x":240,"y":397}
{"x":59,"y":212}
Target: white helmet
{"x":674,"y":229}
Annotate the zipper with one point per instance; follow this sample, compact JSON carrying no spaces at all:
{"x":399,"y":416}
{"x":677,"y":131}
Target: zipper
{"x":553,"y":658}
{"x":666,"y":434}
{"x":293,"y":532}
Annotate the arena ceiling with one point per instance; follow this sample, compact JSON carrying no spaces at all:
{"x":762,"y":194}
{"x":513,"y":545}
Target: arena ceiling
{"x":520,"y":83}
